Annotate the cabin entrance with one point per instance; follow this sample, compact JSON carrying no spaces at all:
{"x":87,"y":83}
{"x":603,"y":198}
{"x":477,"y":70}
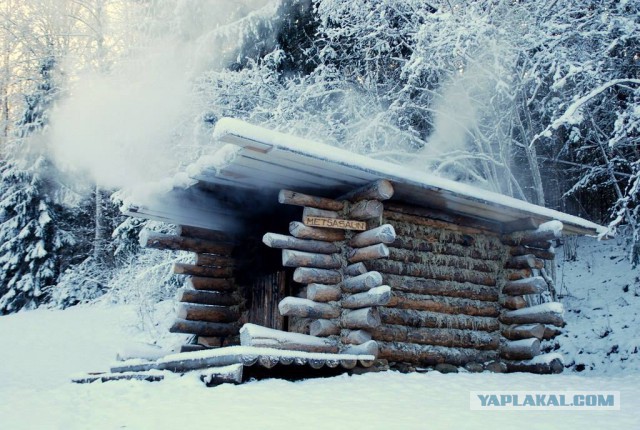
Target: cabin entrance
{"x":262,"y":280}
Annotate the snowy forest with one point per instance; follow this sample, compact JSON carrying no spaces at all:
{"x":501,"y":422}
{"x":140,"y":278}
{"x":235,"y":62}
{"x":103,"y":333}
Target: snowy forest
{"x":535,"y":100}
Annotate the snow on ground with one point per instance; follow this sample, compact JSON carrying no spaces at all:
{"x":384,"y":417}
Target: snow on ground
{"x":601,"y":297}
{"x":41,"y":350}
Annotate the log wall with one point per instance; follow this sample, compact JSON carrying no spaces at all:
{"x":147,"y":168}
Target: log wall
{"x":425,"y":286}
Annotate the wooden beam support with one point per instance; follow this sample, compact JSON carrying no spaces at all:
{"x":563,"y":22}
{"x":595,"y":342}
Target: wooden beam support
{"x":301,"y":231}
{"x":210,"y":313}
{"x":521,"y":287}
{"x":298,"y":199}
{"x":367,"y":253}
{"x":308,"y":275}
{"x":524,"y":261}
{"x":361,"y":283}
{"x":523,"y":349}
{"x":208,"y":297}
{"x":292,"y":258}
{"x":281,"y":241}
{"x":517,"y":332}
{"x":324,"y":327}
{"x":203,"y":328}
{"x":383,"y":234}
{"x":377,"y":296}
{"x":323,"y":293}
{"x":210,"y":284}
{"x":366,"y":318}
{"x":366,"y":209}
{"x":204,"y":271}
{"x":176,"y":243}
{"x":305,"y":308}
{"x":214,"y":260}
{"x":378,"y":190}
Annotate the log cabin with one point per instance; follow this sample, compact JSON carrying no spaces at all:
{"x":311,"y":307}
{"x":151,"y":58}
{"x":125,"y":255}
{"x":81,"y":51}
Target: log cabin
{"x":300,"y":246}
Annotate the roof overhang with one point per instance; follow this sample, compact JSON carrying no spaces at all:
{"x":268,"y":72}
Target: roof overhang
{"x":256,"y":158}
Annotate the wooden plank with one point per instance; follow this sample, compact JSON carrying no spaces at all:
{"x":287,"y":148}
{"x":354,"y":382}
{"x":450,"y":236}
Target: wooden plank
{"x":343,"y":224}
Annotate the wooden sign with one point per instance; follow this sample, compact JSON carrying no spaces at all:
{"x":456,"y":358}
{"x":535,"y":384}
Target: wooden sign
{"x":344,"y":224}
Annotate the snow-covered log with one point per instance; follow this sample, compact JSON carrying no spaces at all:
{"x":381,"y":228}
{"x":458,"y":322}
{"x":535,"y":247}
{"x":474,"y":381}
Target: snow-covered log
{"x":544,"y":364}
{"x":361,"y":283}
{"x":431,"y":272}
{"x":521,"y":287}
{"x":377,"y":296}
{"x":210,"y":284}
{"x":323,"y":293}
{"x":176,"y":243}
{"x":282,"y":241}
{"x":383,"y":234}
{"x":305,"y":308}
{"x":370,"y":252}
{"x":298,"y":199}
{"x":210,"y":313}
{"x":291,"y":258}
{"x":222,"y":375}
{"x":214,"y":260}
{"x":527,"y":331}
{"x":204,"y":328}
{"x":548,"y":231}
{"x":258,"y":336}
{"x":432,"y":354}
{"x":446,"y":305}
{"x":204,"y":271}
{"x":524,"y":261}
{"x":301,"y":231}
{"x":437,"y":336}
{"x":366,"y":209}
{"x":546,"y":313}
{"x":545,"y":254}
{"x":366,"y":318}
{"x":208,"y":297}
{"x":522,"y":349}
{"x":367,"y":348}
{"x":377,"y":190}
{"x":309,"y":275}
{"x":413,"y":318}
{"x":324,"y":327}
{"x":411,"y":284}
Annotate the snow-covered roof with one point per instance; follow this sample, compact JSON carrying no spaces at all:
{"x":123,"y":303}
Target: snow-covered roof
{"x":255,"y":158}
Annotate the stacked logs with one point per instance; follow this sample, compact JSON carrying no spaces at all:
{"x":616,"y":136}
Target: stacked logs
{"x":525,"y":326}
{"x":342,"y":296}
{"x":209,"y":302}
{"x":444,"y":298}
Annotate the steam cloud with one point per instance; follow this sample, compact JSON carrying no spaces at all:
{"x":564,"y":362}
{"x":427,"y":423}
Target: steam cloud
{"x":133,"y":124}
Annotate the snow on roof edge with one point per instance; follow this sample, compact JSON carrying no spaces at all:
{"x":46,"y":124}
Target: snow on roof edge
{"x":232,"y":126}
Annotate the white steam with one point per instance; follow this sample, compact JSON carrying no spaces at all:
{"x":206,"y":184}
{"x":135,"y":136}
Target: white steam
{"x":137,"y":123}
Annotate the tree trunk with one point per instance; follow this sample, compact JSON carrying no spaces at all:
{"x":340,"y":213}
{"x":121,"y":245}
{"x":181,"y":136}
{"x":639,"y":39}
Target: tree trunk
{"x":324,"y":327}
{"x":323,"y":293}
{"x":361,"y":283}
{"x":366,"y":318}
{"x":371,"y":252}
{"x":445,"y":305}
{"x":523,"y":349}
{"x":535,"y":285}
{"x":438,"y":336}
{"x":517,"y":332}
{"x":305,"y":308}
{"x":413,"y":318}
{"x":292,"y":258}
{"x":410,"y":284}
{"x":308,"y":275}
{"x":378,"y":296}
{"x":429,"y":355}
{"x":383,"y":234}
{"x":425,"y":271}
